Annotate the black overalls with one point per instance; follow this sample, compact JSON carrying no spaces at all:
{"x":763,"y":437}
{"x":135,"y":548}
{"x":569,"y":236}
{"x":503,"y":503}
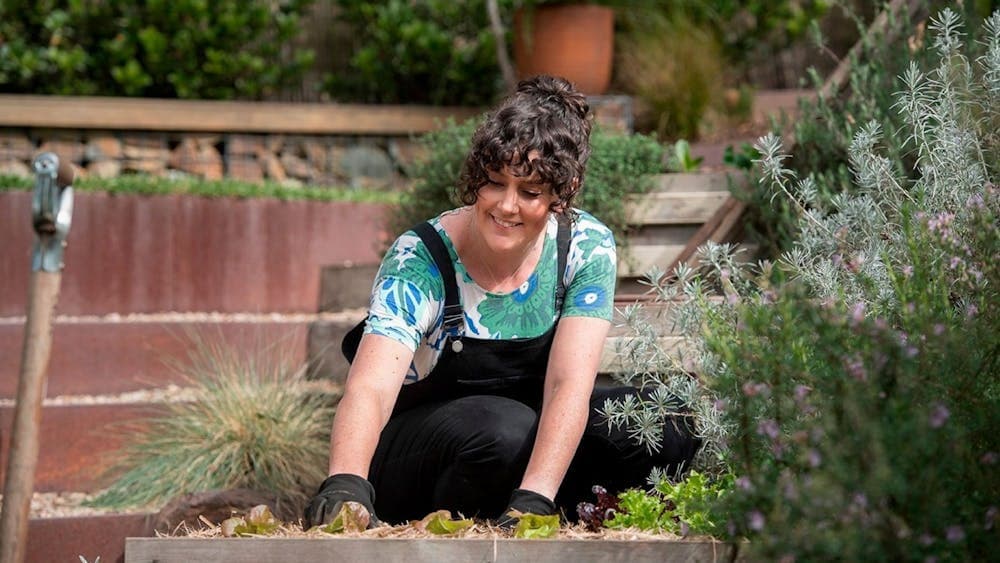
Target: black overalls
{"x":460,"y":438}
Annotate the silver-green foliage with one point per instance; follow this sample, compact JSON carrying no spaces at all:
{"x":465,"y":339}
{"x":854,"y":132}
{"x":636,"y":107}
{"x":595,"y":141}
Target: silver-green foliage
{"x":845,"y":252}
{"x":254,"y":423}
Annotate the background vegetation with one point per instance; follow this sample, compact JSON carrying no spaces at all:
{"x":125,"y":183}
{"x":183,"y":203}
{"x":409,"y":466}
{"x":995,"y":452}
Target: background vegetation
{"x":619,"y":165}
{"x":852,"y":386}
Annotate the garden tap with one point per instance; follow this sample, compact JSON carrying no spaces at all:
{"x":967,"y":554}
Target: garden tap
{"x":51,"y":211}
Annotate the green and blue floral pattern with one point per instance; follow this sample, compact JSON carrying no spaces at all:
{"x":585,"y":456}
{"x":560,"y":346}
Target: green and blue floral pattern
{"x":408,"y":294}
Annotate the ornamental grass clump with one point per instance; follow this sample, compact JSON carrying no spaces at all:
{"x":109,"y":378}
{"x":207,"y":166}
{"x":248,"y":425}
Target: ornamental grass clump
{"x":854,"y":382}
{"x":254,"y":423}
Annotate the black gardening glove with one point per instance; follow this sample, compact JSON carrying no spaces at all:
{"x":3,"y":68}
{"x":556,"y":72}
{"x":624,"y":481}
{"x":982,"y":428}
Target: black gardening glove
{"x":525,"y":501}
{"x":333,"y":493}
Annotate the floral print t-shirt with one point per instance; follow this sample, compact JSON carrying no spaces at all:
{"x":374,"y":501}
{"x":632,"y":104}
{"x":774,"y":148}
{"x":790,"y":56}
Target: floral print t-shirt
{"x":408,"y":294}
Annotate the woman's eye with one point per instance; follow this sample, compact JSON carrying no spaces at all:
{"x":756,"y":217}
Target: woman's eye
{"x":532,"y":195}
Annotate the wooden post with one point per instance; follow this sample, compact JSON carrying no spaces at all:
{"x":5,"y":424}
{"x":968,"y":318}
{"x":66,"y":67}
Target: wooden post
{"x":23,"y":454}
{"x":52,"y":211}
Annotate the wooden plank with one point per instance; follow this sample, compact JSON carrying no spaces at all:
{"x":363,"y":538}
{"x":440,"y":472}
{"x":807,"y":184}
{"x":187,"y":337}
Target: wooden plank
{"x":89,"y":112}
{"x":694,"y":182}
{"x":642,"y":257}
{"x":253,"y":550}
{"x":668,"y":208}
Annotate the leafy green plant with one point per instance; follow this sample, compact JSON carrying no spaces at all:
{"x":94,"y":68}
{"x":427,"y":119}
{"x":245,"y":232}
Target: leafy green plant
{"x":855,"y":386}
{"x":184,"y":49}
{"x":435,"y":52}
{"x":619,"y":165}
{"x":143,"y":184}
{"x":689,"y":506}
{"x":742,"y":158}
{"x":254,"y":423}
{"x":536,"y":526}
{"x":682,"y":160}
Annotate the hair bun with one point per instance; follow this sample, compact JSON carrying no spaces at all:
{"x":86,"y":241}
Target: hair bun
{"x":555,"y":90}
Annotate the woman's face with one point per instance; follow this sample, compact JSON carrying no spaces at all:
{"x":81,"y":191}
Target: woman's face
{"x":512,"y":211}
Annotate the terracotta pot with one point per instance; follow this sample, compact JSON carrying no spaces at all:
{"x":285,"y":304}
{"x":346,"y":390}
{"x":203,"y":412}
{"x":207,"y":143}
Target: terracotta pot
{"x":575,"y":41}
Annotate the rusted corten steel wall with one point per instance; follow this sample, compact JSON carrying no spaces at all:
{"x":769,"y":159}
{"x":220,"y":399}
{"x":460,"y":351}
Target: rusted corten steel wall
{"x":171,"y":253}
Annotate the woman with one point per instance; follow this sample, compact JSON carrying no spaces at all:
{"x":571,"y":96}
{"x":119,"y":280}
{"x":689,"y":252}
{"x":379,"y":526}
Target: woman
{"x":472,"y":388}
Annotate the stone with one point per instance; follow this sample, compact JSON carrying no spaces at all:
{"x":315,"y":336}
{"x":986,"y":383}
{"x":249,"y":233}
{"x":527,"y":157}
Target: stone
{"x":15,"y":168}
{"x":274,"y":143}
{"x":64,"y":149}
{"x":406,"y":152}
{"x":367,"y":166}
{"x":102,"y":147}
{"x":317,"y":154}
{"x":16,"y":146}
{"x":145,"y":147}
{"x":296,"y":167}
{"x":272,"y":168}
{"x":146,"y":166}
{"x":244,"y":168}
{"x":104,"y":168}
{"x":244,"y":145}
{"x":197,"y":156}
{"x":218,"y":505}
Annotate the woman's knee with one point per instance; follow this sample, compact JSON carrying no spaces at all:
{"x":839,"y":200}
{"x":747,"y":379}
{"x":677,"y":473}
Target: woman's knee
{"x":499,"y":432}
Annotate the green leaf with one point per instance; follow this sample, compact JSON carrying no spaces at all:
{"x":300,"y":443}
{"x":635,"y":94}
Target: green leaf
{"x":353,"y":517}
{"x":535,"y":526}
{"x":440,"y":523}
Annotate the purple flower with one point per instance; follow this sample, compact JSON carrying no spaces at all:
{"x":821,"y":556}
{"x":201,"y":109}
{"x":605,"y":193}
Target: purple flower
{"x":954,"y":262}
{"x":755,"y":521}
{"x":926,"y":539}
{"x":744,"y":483}
{"x":856,"y":368}
{"x":814,"y":458}
{"x":938,"y":329}
{"x":954,"y":534}
{"x":907,"y":271}
{"x":939,"y":415}
{"x":971,"y":310}
{"x":768,"y":428}
{"x":989,"y":458}
{"x":801,"y":391}
{"x":858,"y":312}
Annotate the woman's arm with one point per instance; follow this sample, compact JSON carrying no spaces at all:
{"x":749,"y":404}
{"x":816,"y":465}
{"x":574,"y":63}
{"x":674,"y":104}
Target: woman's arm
{"x":569,"y":382}
{"x":373,"y":384}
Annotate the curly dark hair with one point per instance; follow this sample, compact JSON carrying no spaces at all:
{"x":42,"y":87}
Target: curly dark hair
{"x":545,"y":114}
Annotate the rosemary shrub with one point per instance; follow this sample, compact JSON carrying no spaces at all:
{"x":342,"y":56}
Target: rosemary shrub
{"x":852,"y":386}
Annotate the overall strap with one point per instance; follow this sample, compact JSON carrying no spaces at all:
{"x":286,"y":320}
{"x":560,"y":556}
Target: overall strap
{"x":563,"y":239}
{"x":454,"y":317}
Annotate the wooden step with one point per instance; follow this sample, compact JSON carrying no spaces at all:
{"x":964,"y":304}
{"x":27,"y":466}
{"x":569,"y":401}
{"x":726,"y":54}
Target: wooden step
{"x":110,"y":355}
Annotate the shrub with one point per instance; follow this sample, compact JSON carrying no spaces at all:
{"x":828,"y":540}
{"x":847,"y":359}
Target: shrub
{"x":187,"y":49}
{"x":619,"y":165}
{"x":855,"y":381}
{"x":143,"y":184}
{"x":253,"y":423}
{"x":435,"y":52}
{"x":825,"y":127}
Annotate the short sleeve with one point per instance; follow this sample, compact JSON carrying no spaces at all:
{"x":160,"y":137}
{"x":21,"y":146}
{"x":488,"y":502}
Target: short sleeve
{"x":592,"y":266}
{"x":407,"y":293}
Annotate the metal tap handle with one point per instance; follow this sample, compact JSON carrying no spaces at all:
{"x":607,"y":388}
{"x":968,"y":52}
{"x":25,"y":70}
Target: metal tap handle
{"x":51,"y":211}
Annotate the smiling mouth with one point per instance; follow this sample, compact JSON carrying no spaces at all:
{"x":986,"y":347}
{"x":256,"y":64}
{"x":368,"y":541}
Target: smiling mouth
{"x":503,"y":223}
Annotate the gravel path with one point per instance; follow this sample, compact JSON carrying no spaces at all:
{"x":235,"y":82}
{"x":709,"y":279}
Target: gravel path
{"x":58,"y":505}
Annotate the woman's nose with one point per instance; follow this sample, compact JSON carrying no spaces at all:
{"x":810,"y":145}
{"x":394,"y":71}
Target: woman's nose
{"x":508,"y":203}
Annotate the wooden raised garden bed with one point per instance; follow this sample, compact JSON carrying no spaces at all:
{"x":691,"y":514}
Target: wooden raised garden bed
{"x":245,"y":550}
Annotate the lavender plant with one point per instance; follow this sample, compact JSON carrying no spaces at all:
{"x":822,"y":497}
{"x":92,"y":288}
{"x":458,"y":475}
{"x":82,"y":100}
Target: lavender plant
{"x":852,"y":385}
